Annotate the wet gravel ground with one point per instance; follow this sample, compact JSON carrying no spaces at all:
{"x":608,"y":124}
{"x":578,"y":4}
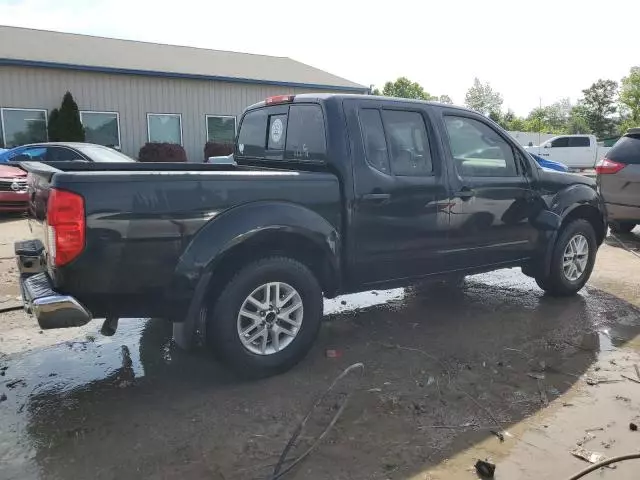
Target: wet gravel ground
{"x":79,"y":405}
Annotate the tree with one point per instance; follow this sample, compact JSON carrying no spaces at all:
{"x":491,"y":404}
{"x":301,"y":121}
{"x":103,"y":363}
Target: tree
{"x":52,"y":126}
{"x":599,"y":105}
{"x":577,"y":122}
{"x":630,"y":97}
{"x":404,"y":88}
{"x":482,"y":98}
{"x":445,"y":99}
{"x":65,"y":124}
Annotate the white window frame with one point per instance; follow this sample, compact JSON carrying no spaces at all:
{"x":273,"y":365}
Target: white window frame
{"x":179,"y":115}
{"x":117,"y":114}
{"x":4,"y":131}
{"x":206,"y":124}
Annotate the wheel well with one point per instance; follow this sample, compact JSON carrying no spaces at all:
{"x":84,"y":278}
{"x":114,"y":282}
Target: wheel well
{"x":286,"y":244}
{"x":592,"y":215}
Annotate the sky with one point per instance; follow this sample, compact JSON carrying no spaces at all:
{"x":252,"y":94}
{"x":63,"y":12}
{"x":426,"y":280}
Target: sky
{"x":531,"y":52}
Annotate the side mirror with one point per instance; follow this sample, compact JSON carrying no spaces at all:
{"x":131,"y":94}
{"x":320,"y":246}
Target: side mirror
{"x":546,"y":145}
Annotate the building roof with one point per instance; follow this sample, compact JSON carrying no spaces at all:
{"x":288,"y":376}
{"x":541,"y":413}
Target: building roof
{"x":41,"y":48}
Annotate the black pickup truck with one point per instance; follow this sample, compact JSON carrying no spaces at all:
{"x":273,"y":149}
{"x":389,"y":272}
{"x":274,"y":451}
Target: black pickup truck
{"x":330,"y":194}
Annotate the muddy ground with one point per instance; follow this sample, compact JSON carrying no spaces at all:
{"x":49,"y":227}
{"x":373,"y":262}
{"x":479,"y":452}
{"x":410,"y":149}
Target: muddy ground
{"x":442,"y":369}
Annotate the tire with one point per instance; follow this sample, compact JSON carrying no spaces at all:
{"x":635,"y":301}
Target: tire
{"x":558,"y":283}
{"x":257,"y":359}
{"x":622,"y":227}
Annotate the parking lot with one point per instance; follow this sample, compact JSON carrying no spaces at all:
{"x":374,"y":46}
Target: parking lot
{"x":442,"y":369}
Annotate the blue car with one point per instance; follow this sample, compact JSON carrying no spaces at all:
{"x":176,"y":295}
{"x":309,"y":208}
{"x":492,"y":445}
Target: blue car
{"x":550,"y":164}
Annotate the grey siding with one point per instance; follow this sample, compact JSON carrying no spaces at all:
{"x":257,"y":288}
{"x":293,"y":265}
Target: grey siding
{"x":134,"y":96}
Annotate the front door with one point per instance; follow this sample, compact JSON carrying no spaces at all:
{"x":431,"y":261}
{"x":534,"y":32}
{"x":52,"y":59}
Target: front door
{"x":492,"y":199}
{"x":398,"y":224}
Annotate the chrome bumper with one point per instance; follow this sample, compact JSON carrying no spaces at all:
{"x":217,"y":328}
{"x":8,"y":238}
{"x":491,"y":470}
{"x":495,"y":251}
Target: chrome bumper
{"x":51,"y":309}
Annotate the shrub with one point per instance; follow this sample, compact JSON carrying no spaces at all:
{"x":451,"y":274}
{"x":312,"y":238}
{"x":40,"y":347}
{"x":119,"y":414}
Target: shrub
{"x":215,"y":149}
{"x":162,"y":152}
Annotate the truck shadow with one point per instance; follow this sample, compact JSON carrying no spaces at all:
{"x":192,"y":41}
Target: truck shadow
{"x":433,"y":356}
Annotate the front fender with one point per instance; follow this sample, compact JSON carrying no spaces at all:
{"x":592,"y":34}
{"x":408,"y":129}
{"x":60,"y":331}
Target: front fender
{"x":570,"y":198}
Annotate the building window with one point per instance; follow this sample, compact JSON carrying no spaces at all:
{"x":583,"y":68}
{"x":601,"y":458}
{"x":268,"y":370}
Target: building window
{"x":164,"y":127}
{"x":102,"y":128}
{"x":221,"y":129}
{"x":21,"y":126}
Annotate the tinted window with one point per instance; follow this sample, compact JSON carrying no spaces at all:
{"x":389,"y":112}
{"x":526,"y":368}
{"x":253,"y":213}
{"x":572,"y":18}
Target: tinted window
{"x":35,"y":153}
{"x":578,"y":141}
{"x":560,"y":142}
{"x":305,"y":133}
{"x":103,"y":154}
{"x":60,"y":154}
{"x":626,"y":150}
{"x":478,"y":150}
{"x":374,"y":142}
{"x":408,"y":143}
{"x":277,"y":131}
{"x":253,"y":134}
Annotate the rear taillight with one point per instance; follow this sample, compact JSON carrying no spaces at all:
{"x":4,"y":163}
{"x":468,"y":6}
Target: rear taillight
{"x":66,"y":225}
{"x":279,"y":99}
{"x":607,"y":167}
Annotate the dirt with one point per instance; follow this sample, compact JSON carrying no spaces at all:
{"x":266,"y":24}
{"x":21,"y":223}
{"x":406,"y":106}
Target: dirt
{"x":496,"y":354}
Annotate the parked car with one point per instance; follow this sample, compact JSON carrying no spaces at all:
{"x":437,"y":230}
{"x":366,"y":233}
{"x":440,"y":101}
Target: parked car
{"x":13,"y":189}
{"x":550,"y":164}
{"x":575,"y":151}
{"x":331,"y":194}
{"x":618,"y":177}
{"x":63,"y":152}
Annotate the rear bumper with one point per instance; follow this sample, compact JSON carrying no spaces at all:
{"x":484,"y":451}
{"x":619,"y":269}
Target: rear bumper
{"x":622,"y":213}
{"x":51,"y":309}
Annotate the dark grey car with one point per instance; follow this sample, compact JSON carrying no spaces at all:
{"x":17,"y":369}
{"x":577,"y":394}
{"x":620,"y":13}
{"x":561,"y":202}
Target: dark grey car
{"x":619,"y":182}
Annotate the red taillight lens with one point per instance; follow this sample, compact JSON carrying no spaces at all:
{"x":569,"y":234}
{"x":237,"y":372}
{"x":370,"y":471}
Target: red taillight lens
{"x":65,"y":218}
{"x":607,"y":167}
{"x":279,"y":99}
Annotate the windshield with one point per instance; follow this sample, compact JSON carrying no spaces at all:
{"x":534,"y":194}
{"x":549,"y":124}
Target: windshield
{"x":103,"y":154}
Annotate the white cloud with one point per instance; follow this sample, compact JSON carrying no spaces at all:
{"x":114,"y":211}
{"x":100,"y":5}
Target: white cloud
{"x":545,"y":49}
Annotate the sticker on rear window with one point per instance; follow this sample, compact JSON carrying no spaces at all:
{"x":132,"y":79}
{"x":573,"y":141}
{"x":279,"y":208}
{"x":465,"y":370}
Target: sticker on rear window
{"x":276,"y":130}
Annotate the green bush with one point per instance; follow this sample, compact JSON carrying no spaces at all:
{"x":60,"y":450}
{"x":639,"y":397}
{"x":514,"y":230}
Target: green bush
{"x":64,"y":124}
{"x":162,"y":152}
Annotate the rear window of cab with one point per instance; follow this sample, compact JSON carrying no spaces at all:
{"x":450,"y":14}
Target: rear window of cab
{"x":626,"y":149}
{"x":294,"y":132}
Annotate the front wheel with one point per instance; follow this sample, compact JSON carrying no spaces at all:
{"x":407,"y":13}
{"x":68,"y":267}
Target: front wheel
{"x":572,"y":260}
{"x":622,"y":227}
{"x":267,"y":317}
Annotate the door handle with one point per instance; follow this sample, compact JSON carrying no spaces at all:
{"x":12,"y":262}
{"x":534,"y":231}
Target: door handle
{"x":466,"y":193}
{"x":377,"y":197}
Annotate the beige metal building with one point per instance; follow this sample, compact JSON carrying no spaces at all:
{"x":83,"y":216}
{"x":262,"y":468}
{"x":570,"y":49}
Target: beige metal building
{"x":130,"y":92}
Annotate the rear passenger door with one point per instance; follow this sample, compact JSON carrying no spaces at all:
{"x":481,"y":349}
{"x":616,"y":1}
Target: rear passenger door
{"x":398,"y":225}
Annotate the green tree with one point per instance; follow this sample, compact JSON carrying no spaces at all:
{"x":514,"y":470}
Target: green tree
{"x":577,"y":122}
{"x":65,"y":125}
{"x":404,"y":88}
{"x":599,"y":105}
{"x":630,"y":98}
{"x":482,"y":98}
{"x":512,"y":122}
{"x":445,"y":99}
{"x":52,"y":127}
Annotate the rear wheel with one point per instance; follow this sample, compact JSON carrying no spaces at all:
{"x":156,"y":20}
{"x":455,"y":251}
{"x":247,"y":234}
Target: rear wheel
{"x":267,"y":317}
{"x":572,"y":260}
{"x":621,"y":227}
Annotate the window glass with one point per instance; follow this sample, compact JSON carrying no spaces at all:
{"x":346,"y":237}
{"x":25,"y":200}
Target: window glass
{"x":408,"y":143}
{"x":165,"y":128}
{"x":221,"y":129}
{"x":34,"y":153}
{"x":23,"y":126}
{"x":560,"y":142}
{"x":103,"y":154}
{"x":305,"y":133}
{"x":478,"y":150}
{"x":61,"y":154}
{"x":253,"y":134}
{"x":375,"y":145}
{"x":579,"y":141}
{"x":1,"y":136}
{"x":277,"y":131}
{"x":101,"y":128}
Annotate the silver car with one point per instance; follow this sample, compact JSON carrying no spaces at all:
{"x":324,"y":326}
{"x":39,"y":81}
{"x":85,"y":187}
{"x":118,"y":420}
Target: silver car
{"x":619,"y":182}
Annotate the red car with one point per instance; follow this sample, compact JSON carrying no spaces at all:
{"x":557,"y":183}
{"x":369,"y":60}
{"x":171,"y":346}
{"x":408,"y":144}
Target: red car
{"x":13,"y":189}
